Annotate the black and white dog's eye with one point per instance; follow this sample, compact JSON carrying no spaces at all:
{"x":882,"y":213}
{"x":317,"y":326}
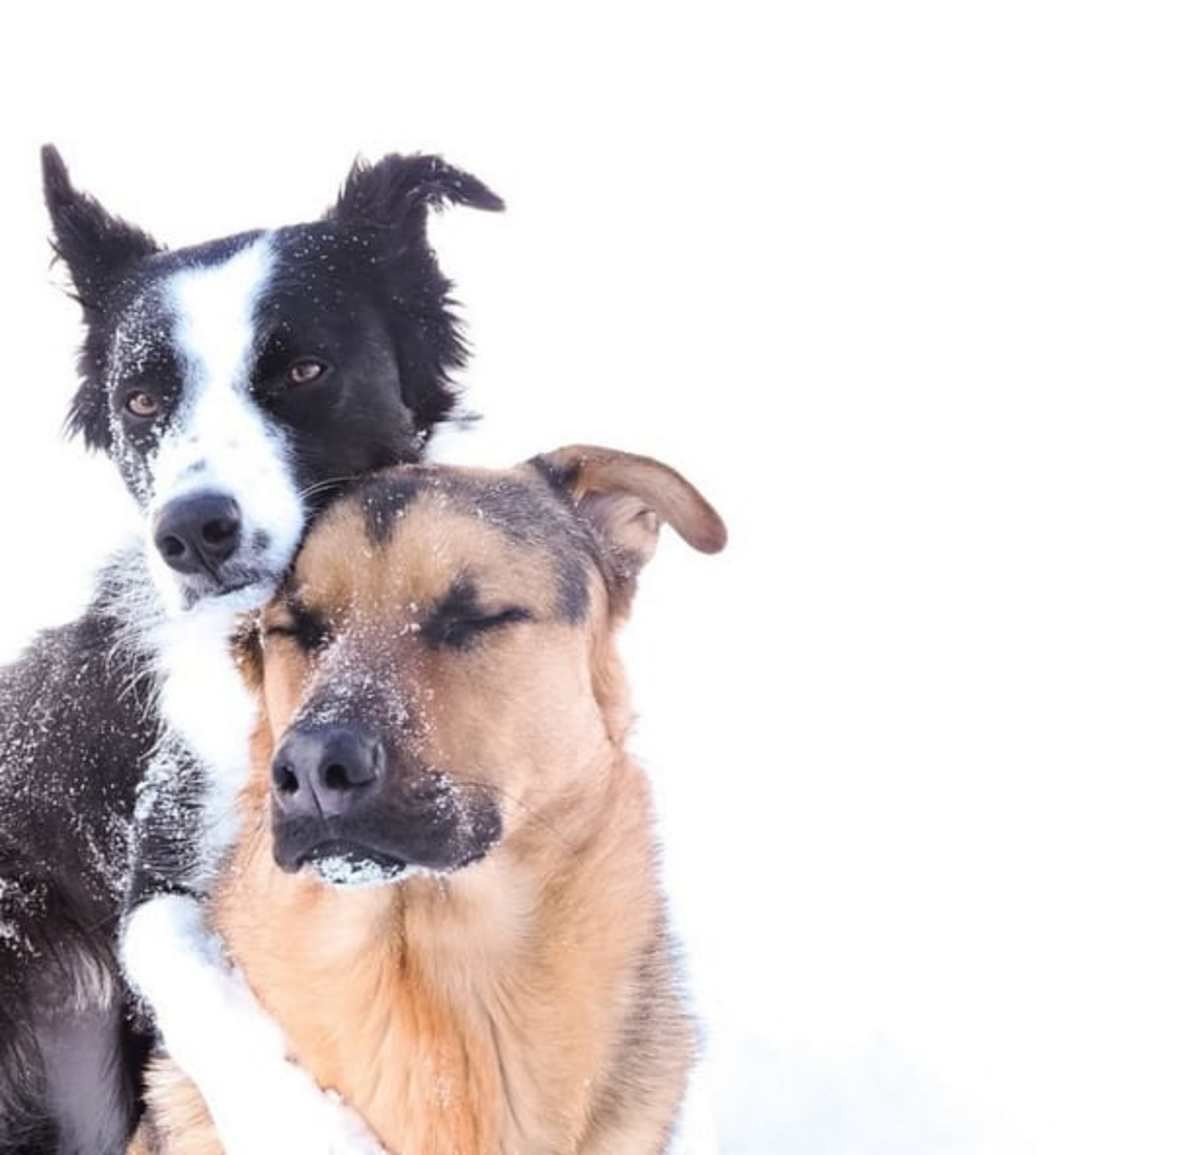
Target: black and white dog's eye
{"x":305,"y":372}
{"x":142,"y":404}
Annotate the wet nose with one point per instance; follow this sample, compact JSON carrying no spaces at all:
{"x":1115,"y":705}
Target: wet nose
{"x":323,"y":771}
{"x":196,"y":533}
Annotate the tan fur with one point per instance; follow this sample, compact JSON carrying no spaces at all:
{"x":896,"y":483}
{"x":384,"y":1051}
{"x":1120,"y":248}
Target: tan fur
{"x":525,"y":1005}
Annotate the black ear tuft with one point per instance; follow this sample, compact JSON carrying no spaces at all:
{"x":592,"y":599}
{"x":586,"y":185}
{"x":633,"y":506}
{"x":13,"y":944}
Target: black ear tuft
{"x":399,"y":191}
{"x":95,"y":245}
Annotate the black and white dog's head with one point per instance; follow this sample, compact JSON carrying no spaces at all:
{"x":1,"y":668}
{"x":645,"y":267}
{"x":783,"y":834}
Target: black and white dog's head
{"x":237,"y":383}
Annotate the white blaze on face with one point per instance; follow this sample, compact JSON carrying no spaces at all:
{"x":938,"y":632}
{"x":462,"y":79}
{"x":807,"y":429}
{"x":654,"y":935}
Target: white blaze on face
{"x":219,"y":440}
{"x":214,"y":310}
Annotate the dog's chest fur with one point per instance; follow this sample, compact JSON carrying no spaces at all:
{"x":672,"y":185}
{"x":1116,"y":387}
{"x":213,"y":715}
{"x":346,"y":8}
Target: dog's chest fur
{"x":207,"y":705}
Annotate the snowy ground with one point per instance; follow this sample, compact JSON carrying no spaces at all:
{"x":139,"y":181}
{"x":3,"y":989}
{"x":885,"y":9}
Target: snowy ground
{"x":910,"y":290}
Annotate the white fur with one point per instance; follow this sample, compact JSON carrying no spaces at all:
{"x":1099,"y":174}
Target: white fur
{"x":214,"y":308}
{"x":219,"y":439}
{"x":237,"y":1056}
{"x":204,"y":701}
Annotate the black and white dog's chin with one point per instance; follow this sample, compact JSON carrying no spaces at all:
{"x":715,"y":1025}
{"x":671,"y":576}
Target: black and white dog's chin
{"x":238,"y":592}
{"x":232,"y":592}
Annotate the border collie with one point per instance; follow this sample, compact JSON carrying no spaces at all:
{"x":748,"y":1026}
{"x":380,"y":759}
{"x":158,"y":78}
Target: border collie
{"x":236,"y":385}
{"x":446,"y":891}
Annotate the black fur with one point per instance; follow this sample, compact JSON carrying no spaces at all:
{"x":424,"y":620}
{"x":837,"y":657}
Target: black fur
{"x":359,"y":288}
{"x":76,"y":728}
{"x":383,"y":500}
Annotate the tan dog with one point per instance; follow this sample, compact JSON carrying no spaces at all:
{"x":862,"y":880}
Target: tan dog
{"x":444,"y":717}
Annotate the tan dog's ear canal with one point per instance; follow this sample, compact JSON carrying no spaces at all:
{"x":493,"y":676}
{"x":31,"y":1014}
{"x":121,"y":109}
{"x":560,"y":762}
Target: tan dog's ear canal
{"x":625,"y":498}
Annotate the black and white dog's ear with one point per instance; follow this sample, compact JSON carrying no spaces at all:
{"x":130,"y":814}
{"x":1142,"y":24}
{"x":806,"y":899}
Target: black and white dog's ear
{"x":399,"y":191}
{"x":95,"y":245}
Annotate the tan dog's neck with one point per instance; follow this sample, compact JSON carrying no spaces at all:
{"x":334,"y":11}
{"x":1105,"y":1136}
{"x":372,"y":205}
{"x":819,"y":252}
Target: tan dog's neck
{"x":483,"y":1009}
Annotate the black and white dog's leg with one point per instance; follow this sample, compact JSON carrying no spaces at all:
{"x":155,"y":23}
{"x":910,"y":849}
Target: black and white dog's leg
{"x":209,"y":1021}
{"x":64,"y":1084}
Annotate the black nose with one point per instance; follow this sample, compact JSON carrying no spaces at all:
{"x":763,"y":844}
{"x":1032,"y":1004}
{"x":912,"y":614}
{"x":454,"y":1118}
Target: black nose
{"x":324,"y":771}
{"x":195,"y":534}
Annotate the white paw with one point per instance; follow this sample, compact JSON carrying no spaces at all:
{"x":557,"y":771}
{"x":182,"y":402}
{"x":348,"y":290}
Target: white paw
{"x":287,"y":1111}
{"x":203,"y":1007}
{"x":213,"y":1027}
{"x":158,"y":931}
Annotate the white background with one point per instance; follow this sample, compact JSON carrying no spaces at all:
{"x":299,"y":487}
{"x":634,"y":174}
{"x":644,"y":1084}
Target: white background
{"x":911,"y":291}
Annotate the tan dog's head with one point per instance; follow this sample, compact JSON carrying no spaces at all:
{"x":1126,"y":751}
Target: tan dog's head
{"x":438,"y":670}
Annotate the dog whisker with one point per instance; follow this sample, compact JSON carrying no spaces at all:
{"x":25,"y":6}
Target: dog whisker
{"x":325,"y":485}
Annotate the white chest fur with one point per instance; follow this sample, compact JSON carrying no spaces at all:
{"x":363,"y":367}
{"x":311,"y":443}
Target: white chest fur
{"x":207,"y":705}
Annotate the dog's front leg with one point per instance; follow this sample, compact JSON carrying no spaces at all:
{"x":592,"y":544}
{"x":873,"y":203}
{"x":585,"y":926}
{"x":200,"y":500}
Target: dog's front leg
{"x":213,"y":1027}
{"x":209,"y":1021}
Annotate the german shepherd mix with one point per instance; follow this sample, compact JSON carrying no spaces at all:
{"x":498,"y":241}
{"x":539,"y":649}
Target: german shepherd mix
{"x":446,"y":887}
{"x":236,"y":385}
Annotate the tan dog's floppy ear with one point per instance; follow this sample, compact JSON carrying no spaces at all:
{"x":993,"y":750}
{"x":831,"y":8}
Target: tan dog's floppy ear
{"x":626,"y":497}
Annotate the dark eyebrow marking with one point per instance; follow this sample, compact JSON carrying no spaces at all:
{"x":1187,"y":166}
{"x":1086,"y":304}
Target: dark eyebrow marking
{"x":383,"y":500}
{"x":458,"y":618}
{"x":309,"y":627}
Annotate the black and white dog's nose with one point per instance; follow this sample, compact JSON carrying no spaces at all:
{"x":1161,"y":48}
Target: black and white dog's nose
{"x":196,"y":533}
{"x":326,"y":771}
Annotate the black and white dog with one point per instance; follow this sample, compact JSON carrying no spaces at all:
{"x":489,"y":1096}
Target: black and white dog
{"x":235,"y":385}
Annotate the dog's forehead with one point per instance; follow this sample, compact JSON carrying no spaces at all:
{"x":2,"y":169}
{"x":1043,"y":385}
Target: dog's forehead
{"x":168,"y":294}
{"x":325,"y":284}
{"x":426,"y":527}
{"x":151,"y":277}
{"x":242,"y":286}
